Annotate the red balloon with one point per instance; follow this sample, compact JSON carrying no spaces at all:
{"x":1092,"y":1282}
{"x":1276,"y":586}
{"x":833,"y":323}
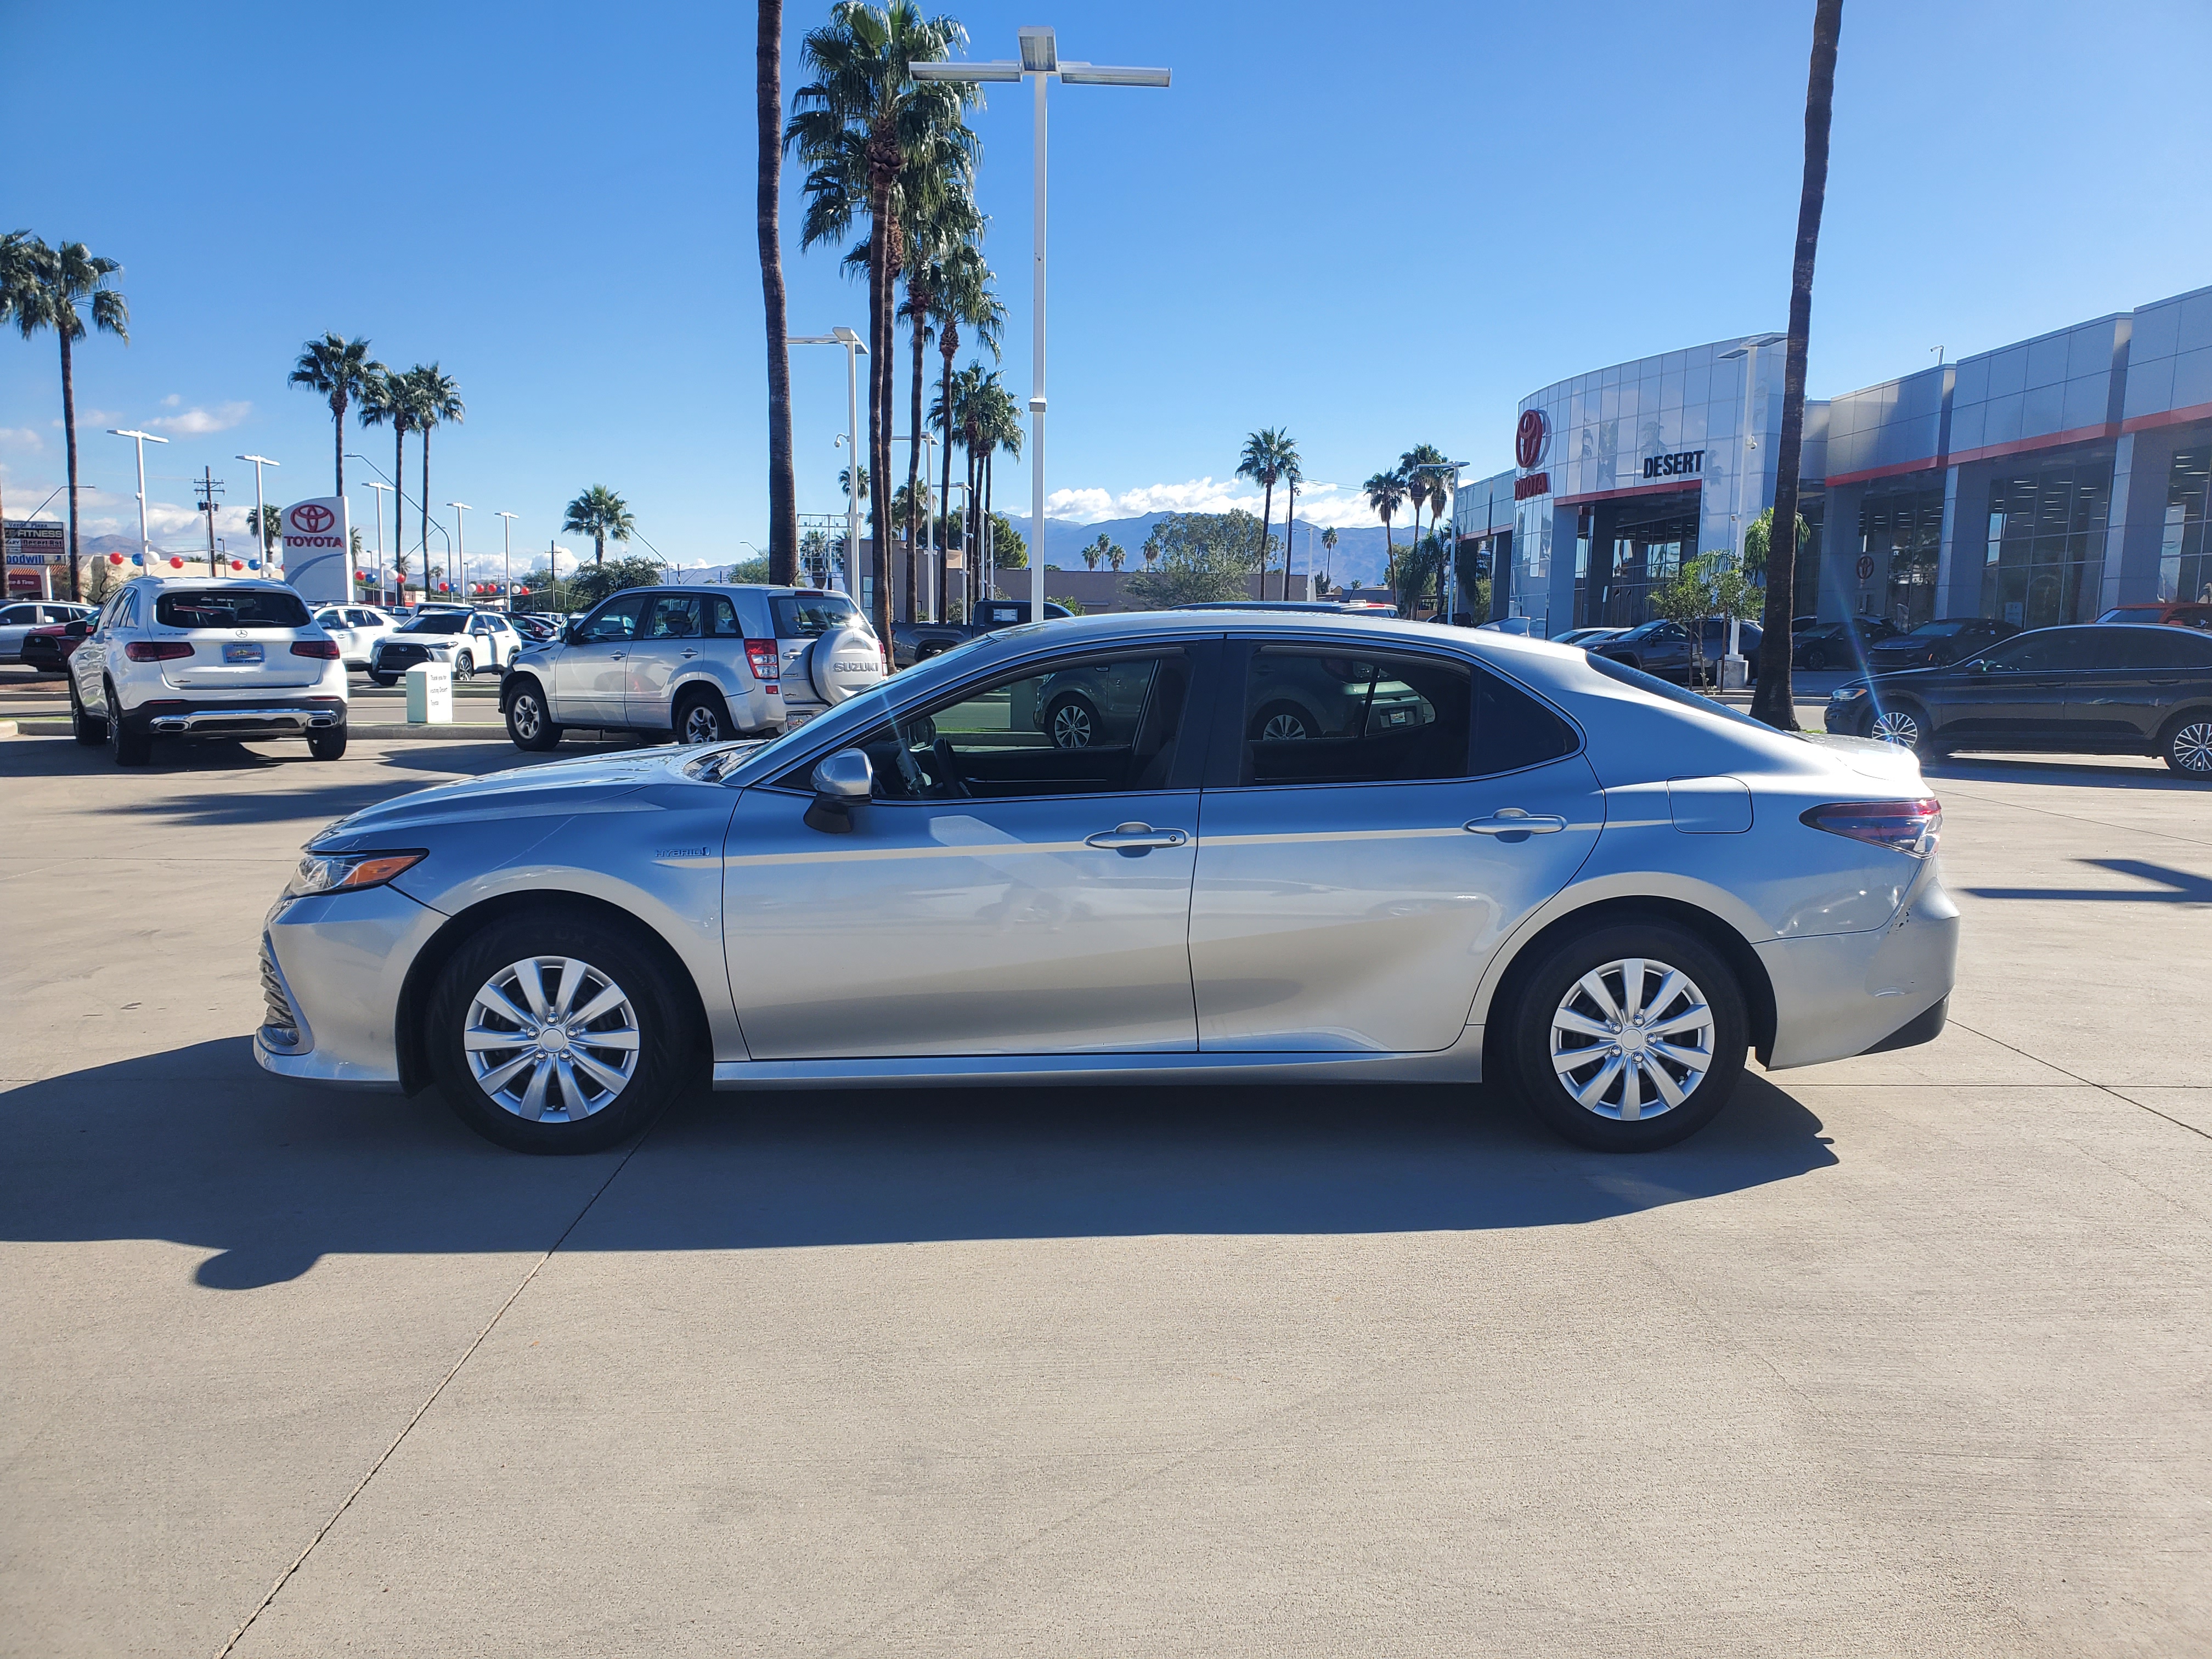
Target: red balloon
{"x":176,"y":564}
{"x":238,"y":564}
{"x":115,"y":558}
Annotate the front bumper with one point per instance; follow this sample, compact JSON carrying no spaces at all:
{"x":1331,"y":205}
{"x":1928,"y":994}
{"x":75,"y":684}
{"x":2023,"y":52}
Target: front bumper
{"x":341,"y":960}
{"x":1840,"y":995}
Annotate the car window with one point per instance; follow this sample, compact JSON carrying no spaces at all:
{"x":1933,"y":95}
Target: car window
{"x":809,"y":615}
{"x":230,"y":607}
{"x":2045,"y":652}
{"x":15,"y":614}
{"x":2151,"y":648}
{"x":1512,"y":730}
{"x":673,"y":617}
{"x":722,"y":617}
{"x":329,"y":619}
{"x":1317,"y":716}
{"x":438,"y":622}
{"x":616,"y":619}
{"x":1935,"y":631}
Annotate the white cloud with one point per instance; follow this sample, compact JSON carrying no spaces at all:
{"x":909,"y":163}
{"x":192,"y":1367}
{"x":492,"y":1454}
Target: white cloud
{"x":171,"y":401}
{"x":1326,"y":505}
{"x":197,"y":422}
{"x":25,"y":435}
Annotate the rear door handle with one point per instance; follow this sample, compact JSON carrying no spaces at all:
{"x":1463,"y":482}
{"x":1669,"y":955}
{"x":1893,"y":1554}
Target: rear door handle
{"x":1512,"y":821}
{"x":1135,"y":840}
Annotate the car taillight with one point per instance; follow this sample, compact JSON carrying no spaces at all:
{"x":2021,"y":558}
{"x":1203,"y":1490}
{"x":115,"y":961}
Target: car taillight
{"x":1905,"y":826}
{"x":314,"y":648}
{"x":157,"y":650}
{"x":762,"y":656}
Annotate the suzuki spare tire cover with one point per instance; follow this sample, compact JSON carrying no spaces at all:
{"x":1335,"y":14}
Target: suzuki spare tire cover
{"x":842,"y":664}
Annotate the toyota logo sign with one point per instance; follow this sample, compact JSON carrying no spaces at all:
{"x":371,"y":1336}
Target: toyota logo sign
{"x":1530,"y":438}
{"x":312,"y":518}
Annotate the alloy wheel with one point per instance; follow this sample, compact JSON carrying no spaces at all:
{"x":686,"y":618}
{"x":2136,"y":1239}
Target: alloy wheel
{"x":1896,"y":725}
{"x":551,"y":1039}
{"x":1283,"y":728}
{"x":2192,"y":749}
{"x":702,"y":724}
{"x":528,"y":719}
{"x":1072,"y":726}
{"x":1632,"y":1039}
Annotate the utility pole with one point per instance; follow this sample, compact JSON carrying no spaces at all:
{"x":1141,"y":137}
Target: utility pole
{"x":210,"y":487}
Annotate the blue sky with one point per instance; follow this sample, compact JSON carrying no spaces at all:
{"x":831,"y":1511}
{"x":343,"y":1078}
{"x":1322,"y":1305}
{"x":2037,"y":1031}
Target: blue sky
{"x":1375,"y":225}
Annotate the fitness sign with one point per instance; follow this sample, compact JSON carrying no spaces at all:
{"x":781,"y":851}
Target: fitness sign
{"x":316,"y":535}
{"x":1532,"y":443}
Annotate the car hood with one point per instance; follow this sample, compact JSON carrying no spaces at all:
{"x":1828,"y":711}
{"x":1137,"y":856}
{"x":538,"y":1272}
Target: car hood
{"x":587,"y":783}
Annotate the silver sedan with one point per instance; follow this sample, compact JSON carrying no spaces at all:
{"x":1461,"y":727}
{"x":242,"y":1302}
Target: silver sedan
{"x":1479,"y":857}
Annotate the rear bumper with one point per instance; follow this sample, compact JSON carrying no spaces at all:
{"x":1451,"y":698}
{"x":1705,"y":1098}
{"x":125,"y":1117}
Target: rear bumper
{"x":1840,"y":995}
{"x":203,"y":717}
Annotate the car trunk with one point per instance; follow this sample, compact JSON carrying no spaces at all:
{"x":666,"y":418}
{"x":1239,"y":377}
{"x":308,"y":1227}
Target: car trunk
{"x":244,"y":658}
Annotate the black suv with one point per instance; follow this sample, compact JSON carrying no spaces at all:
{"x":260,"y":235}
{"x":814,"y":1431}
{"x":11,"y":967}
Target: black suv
{"x":2126,"y":689}
{"x":1947,"y":639}
{"x":1837,"y":644}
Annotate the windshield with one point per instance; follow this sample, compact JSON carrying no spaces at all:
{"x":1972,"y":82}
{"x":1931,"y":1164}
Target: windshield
{"x":438,"y":621}
{"x":230,"y":607}
{"x":809,"y":615}
{"x":1643,"y":631}
{"x":1938,"y":630}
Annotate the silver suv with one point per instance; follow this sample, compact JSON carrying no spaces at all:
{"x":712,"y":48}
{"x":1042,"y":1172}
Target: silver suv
{"x":707,"y":663}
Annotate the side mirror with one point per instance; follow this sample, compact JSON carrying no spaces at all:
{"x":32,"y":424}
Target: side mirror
{"x":572,"y":632}
{"x":842,"y":782}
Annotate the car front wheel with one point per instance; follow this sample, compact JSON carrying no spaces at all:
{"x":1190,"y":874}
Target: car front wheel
{"x":528,"y":723}
{"x":464,"y":666}
{"x":1629,"y":1037}
{"x":558,"y":1033}
{"x":1904,"y":725}
{"x":2188,"y":748}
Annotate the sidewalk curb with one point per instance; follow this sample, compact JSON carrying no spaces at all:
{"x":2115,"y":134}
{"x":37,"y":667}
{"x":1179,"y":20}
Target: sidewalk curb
{"x":380,"y":731}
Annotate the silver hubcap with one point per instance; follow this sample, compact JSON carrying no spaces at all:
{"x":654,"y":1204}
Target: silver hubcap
{"x":1897,"y":727}
{"x":1283,"y":728}
{"x":465,"y":667}
{"x":551,"y":1039}
{"x":1632,"y":1039}
{"x":1070,"y":726}
{"x":527,"y":721}
{"x":2192,"y":747}
{"x":700,"y":725}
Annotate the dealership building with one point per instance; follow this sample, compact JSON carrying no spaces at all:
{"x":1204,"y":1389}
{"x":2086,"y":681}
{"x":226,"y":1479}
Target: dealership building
{"x":2039,"y":483}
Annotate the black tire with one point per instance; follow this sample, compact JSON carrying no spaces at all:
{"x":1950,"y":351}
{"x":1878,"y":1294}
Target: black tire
{"x":87,"y":729}
{"x":328,"y":743}
{"x":1072,"y":722}
{"x":667,"y":1051}
{"x":1554,"y":984}
{"x":464,"y":665}
{"x":386,"y":680}
{"x":528,"y":723}
{"x":702,"y":717}
{"x":1288,"y":722}
{"x":1816,"y":660}
{"x":2186,"y":745}
{"x":129,"y":743}
{"x":1904,"y":723}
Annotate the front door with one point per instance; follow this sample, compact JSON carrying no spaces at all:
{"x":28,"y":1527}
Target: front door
{"x":591,"y":677}
{"x":1360,"y":858}
{"x":1000,"y":894}
{"x":2015,"y":694}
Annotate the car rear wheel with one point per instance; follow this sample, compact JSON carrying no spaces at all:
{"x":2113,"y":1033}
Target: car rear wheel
{"x":327,"y":743}
{"x":1071,"y":723}
{"x":527,"y":721}
{"x":1280,"y":722}
{"x":1816,"y":658}
{"x":2188,"y":747}
{"x":700,"y":718}
{"x":128,"y":743}
{"x":558,"y":1033}
{"x":386,"y":680}
{"x":88,"y":729}
{"x":1628,"y":1037}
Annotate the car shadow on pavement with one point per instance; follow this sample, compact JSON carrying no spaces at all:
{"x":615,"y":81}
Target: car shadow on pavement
{"x":199,"y":1147}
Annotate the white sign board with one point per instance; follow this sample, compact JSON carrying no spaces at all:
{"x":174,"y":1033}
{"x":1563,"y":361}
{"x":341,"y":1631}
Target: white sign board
{"x":31,"y":543}
{"x":318,"y":560}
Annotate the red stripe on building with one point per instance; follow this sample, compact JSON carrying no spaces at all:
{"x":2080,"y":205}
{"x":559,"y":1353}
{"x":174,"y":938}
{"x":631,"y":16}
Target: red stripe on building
{"x":2167,"y":417}
{"x":1672,"y":489}
{"x":1930,"y":463}
{"x":2079,"y":435}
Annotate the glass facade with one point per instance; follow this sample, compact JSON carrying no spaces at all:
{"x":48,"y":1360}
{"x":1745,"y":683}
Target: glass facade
{"x":1626,"y":549}
{"x":2045,"y":556}
{"x":1903,"y":533}
{"x":2185,"y":562}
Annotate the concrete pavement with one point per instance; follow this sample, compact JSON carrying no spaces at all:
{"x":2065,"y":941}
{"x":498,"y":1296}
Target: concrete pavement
{"x":1904,"y":1355}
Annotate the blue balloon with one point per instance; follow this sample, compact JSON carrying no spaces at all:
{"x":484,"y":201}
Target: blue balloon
{"x":253,"y":564}
{"x":138,"y":558}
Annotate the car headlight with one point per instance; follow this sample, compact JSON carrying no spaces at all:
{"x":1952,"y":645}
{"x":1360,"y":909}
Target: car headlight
{"x":332,"y":872}
{"x":1848,"y":693}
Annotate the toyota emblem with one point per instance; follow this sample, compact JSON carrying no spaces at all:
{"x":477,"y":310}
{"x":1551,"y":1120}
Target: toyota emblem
{"x":1530,"y":437}
{"x":314,"y":518}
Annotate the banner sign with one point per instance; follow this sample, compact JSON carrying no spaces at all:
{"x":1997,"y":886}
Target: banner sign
{"x":37,"y":541}
{"x":316,"y":535}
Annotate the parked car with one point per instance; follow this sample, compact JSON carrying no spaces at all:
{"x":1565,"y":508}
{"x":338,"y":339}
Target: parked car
{"x":534,"y":628}
{"x":464,"y":640}
{"x":19,"y":619}
{"x":176,"y":657}
{"x":49,"y":647}
{"x":707,"y":663}
{"x":1664,"y":648}
{"x":1567,"y":877}
{"x":357,"y":628}
{"x":1522,"y":627}
{"x":1587,"y":637}
{"x":1947,"y":639}
{"x":2107,"y":688}
{"x":913,"y":642}
{"x":1837,"y":644}
{"x":2175,"y":613}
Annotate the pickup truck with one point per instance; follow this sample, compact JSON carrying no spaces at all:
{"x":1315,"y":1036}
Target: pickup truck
{"x":913,"y":642}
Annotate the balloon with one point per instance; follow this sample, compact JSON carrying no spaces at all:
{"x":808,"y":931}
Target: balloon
{"x":138,"y":558}
{"x":253,"y":564}
{"x":115,"y":558}
{"x":236,"y":564}
{"x":176,"y":564}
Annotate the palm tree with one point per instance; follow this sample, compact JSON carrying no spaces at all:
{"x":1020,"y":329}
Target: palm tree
{"x":387,"y":398}
{"x":1265,"y":452}
{"x":433,"y":400}
{"x":858,"y":125}
{"x":599,"y":513}
{"x":1386,"y":493}
{"x":269,"y":525}
{"x":1328,"y":553}
{"x":1422,"y":468}
{"x":1292,"y":478}
{"x":768,"y":183}
{"x":340,"y":370}
{"x":1772,"y":698}
{"x":962,"y":293}
{"x":45,"y":285}
{"x":938,"y":214}
{"x":845,"y":482}
{"x":14,"y":284}
{"x":1116,"y":554}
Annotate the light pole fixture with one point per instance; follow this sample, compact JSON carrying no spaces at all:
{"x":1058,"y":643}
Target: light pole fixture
{"x":141,"y":438}
{"x":461,"y":538}
{"x":260,"y":533}
{"x":1040,"y":58}
{"x":382,"y":491}
{"x":856,"y":348}
{"x":507,"y":555}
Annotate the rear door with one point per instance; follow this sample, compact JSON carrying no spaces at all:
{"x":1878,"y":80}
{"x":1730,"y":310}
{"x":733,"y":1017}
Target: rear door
{"x":591,"y":677}
{"x":1355,"y":877}
{"x":2141,"y":676}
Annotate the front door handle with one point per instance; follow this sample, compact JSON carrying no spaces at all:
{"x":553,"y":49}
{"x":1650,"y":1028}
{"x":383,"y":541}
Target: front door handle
{"x":690,"y":653}
{"x":1133,"y":841}
{"x":1512,"y":821}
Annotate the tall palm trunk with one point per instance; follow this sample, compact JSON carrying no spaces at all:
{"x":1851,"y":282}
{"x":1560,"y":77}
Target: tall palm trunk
{"x":983,"y":523}
{"x":68,"y":440}
{"x":917,"y":302}
{"x":1267,"y":512}
{"x":1290,"y":536}
{"x":424,"y":545}
{"x":767,"y":113}
{"x":948,"y":343}
{"x":399,"y":509}
{"x":881,"y":228}
{"x":337,"y":429}
{"x":1772,"y":701}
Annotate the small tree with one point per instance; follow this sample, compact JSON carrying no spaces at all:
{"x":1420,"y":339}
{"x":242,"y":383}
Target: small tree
{"x":1709,"y":586}
{"x":1199,"y":558}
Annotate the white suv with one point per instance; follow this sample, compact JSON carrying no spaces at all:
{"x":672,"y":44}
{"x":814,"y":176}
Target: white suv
{"x":463,"y":641}
{"x":706,"y":663}
{"x":187,"y":658}
{"x":357,"y":628}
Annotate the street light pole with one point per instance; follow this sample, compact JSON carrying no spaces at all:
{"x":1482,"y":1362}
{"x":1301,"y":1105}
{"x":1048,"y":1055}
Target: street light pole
{"x":461,"y":539}
{"x":1749,"y":350}
{"x":382,"y":491}
{"x":1041,"y":58}
{"x":143,"y":439}
{"x":260,"y":512}
{"x":507,"y":557}
{"x":856,"y":348}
